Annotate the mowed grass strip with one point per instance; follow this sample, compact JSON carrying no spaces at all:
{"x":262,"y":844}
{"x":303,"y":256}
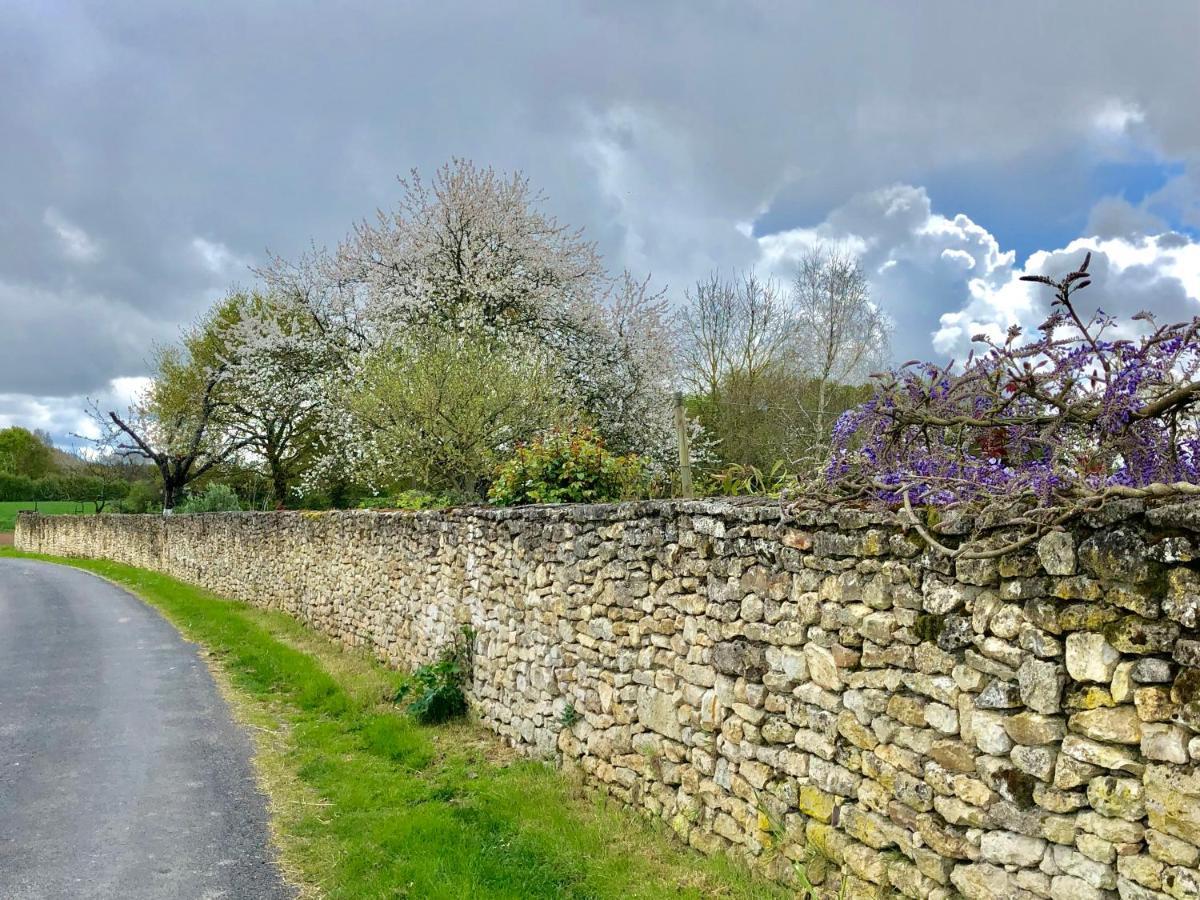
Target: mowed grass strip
{"x":368,"y":804}
{"x":10,"y":508}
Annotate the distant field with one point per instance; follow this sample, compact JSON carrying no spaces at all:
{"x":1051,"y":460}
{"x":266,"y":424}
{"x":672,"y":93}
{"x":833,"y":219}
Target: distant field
{"x":9,"y":510}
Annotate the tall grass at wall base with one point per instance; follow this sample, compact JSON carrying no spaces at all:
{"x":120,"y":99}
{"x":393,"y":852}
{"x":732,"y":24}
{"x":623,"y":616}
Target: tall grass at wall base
{"x":368,"y":804}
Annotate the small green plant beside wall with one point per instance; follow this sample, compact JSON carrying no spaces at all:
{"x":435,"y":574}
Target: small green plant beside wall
{"x":569,"y":717}
{"x":436,"y":692}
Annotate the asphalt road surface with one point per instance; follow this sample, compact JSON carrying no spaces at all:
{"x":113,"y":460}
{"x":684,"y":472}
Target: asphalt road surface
{"x":122,"y":774}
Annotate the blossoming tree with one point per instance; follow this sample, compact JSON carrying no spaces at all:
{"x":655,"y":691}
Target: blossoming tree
{"x":473,"y":254}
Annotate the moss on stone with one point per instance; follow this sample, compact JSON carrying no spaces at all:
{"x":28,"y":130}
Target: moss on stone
{"x":928,"y":627}
{"x":1187,"y":686}
{"x":1089,"y":697}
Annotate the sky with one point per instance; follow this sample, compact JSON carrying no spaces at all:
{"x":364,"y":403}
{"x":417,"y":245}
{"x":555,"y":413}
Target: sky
{"x":153,"y":153}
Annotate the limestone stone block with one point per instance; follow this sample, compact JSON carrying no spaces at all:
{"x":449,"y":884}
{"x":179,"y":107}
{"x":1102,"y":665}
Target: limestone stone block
{"x":822,"y":667}
{"x":1041,"y":684}
{"x":1007,"y":848}
{"x":1056,"y":551}
{"x":990,"y":734}
{"x":1122,"y":798}
{"x":1117,"y":725}
{"x":1090,"y":657}
{"x":1161,"y":741}
{"x":1034,"y":729}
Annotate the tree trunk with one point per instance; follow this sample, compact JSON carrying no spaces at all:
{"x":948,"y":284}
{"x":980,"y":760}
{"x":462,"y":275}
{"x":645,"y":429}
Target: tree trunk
{"x":279,"y":482}
{"x":821,"y":398}
{"x":172,"y":494}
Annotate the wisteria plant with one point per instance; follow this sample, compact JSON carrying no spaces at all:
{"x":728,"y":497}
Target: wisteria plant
{"x":1041,"y":430}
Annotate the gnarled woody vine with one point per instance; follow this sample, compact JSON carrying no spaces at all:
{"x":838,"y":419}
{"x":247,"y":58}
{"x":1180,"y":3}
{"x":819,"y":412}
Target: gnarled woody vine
{"x":1027,"y":435}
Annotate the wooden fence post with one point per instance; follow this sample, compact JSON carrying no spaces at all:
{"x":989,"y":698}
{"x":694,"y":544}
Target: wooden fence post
{"x":685,"y":456}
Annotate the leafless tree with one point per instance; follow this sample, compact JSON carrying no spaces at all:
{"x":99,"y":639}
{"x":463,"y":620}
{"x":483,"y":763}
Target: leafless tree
{"x":176,"y":424}
{"x":842,"y":335}
{"x":742,"y":326}
{"x":772,"y":368}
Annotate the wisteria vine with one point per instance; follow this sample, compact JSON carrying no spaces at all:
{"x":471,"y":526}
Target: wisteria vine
{"x":1046,"y":429}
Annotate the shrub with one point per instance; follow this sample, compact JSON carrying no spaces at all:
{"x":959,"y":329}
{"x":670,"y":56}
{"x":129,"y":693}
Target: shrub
{"x":215,"y":498}
{"x":16,"y":487}
{"x":570,"y":716}
{"x":142,"y":497}
{"x":568,"y":467}
{"x":408,"y":500}
{"x":82,"y":488}
{"x":437,"y":690}
{"x":53,"y":487}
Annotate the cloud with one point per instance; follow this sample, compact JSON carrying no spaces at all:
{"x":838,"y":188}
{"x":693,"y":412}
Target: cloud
{"x":67,"y":418}
{"x":945,"y":279}
{"x":218,"y":259}
{"x":1116,"y":117}
{"x":657,"y":224}
{"x":77,"y":244}
{"x":920,"y":263}
{"x":1114,"y":217}
{"x":1159,"y":274}
{"x":151,"y":153}
{"x":68,"y":342}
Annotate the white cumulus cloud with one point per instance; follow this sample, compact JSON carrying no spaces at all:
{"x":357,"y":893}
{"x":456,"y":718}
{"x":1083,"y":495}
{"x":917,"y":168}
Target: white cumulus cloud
{"x":944,"y":279}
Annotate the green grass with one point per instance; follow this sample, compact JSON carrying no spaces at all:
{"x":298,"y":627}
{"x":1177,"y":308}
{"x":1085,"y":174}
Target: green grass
{"x":368,"y":804}
{"x":10,"y":508}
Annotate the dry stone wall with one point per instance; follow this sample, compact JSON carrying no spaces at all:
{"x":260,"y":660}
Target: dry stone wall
{"x":820,"y":694}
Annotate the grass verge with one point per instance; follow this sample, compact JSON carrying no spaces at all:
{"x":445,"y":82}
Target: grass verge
{"x":368,"y":804}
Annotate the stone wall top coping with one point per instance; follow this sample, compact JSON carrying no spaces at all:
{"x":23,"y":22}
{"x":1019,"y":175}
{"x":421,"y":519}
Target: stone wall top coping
{"x":1182,"y":515}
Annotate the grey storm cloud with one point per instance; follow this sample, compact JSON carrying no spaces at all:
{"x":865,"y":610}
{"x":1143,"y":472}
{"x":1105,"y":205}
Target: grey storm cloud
{"x":152,"y":153}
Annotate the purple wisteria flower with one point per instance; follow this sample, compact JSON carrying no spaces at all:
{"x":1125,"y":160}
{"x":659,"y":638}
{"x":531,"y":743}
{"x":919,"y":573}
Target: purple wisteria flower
{"x":1070,"y":413}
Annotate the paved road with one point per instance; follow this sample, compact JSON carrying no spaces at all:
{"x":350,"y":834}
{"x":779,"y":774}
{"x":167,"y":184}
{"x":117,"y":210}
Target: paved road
{"x":121,"y":772}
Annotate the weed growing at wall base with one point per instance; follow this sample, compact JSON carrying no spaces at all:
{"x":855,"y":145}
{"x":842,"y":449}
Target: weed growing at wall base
{"x":436,"y":692}
{"x":366,"y":803}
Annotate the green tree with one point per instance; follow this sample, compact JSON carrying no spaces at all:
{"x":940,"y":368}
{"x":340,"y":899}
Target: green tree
{"x":176,"y":423}
{"x":24,"y":453}
{"x":439,"y":409}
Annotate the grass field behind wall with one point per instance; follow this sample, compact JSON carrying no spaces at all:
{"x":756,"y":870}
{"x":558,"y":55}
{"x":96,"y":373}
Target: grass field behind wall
{"x":9,"y":510}
{"x":368,"y":804}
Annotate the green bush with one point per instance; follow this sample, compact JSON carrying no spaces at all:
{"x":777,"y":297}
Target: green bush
{"x":568,"y":467}
{"x":215,"y":498}
{"x":142,"y":497}
{"x":408,"y":500}
{"x":81,"y":488}
{"x":437,"y":690}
